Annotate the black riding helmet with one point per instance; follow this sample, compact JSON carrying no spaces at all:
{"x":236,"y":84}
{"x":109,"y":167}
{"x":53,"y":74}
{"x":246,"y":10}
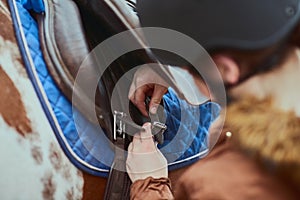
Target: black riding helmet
{"x":215,"y":24}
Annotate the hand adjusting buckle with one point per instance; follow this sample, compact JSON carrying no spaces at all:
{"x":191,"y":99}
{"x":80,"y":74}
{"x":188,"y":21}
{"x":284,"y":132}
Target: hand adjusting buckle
{"x":123,"y":125}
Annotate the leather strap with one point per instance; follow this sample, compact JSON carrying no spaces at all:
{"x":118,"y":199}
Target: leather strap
{"x":118,"y":186}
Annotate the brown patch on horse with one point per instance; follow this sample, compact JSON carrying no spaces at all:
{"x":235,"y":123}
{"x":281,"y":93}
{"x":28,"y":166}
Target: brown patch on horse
{"x":21,"y":70}
{"x":70,"y":195}
{"x":55,"y":157}
{"x":56,"y":160}
{"x":11,"y":106}
{"x":94,"y":187}
{"x":37,"y":154}
{"x":66,"y":173}
{"x":49,"y":187}
{"x":6,"y":30}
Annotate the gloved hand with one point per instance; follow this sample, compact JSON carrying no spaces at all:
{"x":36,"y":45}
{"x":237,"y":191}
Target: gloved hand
{"x":144,"y":158}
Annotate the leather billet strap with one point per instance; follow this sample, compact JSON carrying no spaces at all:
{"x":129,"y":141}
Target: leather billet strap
{"x":118,"y":184}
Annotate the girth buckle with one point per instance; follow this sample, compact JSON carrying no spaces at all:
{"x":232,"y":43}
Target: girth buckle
{"x":119,"y":125}
{"x":122,"y":124}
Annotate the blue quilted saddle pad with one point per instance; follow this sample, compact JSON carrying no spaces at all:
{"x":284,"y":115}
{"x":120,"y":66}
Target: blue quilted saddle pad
{"x":186,"y":139}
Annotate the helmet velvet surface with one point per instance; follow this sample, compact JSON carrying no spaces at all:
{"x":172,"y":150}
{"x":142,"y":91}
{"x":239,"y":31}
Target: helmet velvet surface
{"x":237,"y":24}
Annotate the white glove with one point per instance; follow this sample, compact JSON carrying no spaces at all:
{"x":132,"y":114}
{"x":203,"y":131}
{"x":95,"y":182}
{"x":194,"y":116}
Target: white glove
{"x":144,"y":158}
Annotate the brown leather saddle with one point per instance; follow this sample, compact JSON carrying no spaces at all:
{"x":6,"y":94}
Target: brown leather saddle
{"x":69,"y":30}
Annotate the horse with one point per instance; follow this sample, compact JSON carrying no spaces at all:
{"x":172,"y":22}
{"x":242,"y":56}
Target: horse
{"x":38,"y":161}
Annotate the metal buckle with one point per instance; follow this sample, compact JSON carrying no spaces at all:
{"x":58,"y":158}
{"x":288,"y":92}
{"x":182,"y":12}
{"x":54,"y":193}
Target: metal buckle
{"x":158,"y":129}
{"x":119,"y":125}
{"x":159,"y":125}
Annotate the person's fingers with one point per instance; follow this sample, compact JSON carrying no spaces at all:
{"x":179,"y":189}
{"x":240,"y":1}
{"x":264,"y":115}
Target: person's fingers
{"x":131,"y":91}
{"x":157,"y":95}
{"x":139,"y":99}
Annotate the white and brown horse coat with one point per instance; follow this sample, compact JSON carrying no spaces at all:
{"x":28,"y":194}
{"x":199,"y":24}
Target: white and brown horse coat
{"x":33,"y":166}
{"x":32,"y":163}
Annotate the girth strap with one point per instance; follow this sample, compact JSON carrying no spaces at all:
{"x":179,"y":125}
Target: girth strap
{"x":118,"y":186}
